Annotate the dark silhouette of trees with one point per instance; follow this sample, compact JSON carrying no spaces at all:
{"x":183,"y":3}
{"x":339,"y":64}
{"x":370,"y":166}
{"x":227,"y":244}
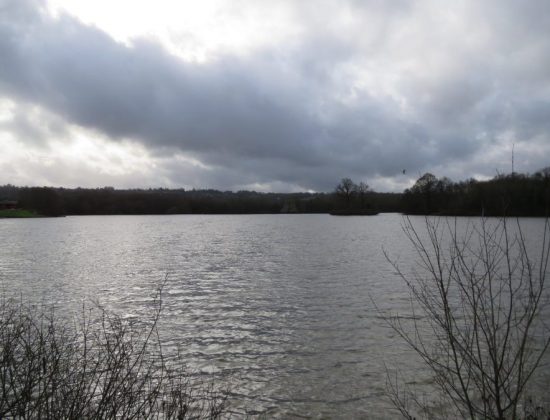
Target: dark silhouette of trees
{"x":102,"y":201}
{"x":361,"y":190}
{"x":345,"y":189}
{"x":44,"y":201}
{"x":421,"y":194}
{"x":354,"y":199}
{"x":514,"y":195}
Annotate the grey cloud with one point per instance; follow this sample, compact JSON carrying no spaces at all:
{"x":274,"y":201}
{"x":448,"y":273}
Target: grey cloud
{"x":278,"y":116}
{"x":143,"y":92}
{"x":33,"y":126}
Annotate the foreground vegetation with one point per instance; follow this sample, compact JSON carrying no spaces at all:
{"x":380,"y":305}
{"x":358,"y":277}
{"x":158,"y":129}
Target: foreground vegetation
{"x":479,"y":303}
{"x":99,"y":367}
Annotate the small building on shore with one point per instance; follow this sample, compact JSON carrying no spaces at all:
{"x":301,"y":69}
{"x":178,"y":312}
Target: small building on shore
{"x":8,"y":205}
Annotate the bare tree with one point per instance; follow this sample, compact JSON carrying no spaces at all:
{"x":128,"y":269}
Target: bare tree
{"x":362,"y":189}
{"x":346,"y":189}
{"x":476,"y":316}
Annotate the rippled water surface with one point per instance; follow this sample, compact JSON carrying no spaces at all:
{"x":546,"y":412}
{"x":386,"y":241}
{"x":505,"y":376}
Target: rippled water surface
{"x":280,"y":305}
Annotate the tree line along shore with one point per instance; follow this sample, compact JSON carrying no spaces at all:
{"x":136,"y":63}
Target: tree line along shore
{"x":513,"y":194}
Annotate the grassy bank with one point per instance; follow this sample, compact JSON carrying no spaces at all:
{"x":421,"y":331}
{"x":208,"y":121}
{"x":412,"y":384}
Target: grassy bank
{"x":17,"y":214}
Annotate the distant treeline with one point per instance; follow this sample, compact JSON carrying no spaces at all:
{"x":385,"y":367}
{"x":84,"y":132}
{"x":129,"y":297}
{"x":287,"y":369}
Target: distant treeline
{"x":84,"y":201}
{"x":512,"y":194}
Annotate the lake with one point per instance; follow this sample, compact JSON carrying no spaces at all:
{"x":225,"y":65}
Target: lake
{"x":281,"y":306}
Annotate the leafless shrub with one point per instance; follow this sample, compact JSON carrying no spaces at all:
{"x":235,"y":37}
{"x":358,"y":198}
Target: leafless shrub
{"x":101,"y":367}
{"x":476,"y":321}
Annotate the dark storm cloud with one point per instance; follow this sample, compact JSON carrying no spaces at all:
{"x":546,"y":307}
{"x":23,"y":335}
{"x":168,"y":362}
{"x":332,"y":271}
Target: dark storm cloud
{"x":82,"y":74}
{"x":290,"y":115}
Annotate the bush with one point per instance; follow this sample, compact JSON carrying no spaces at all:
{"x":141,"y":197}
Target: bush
{"x":478,"y":302}
{"x":100,"y":367}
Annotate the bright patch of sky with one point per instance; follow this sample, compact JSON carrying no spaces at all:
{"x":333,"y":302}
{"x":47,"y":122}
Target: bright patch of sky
{"x":194,"y":30}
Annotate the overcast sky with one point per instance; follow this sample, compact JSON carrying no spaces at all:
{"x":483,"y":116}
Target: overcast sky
{"x":271,"y":95}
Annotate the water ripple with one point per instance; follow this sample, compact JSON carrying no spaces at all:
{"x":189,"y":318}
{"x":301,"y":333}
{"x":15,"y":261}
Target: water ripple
{"x":280,"y":306}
